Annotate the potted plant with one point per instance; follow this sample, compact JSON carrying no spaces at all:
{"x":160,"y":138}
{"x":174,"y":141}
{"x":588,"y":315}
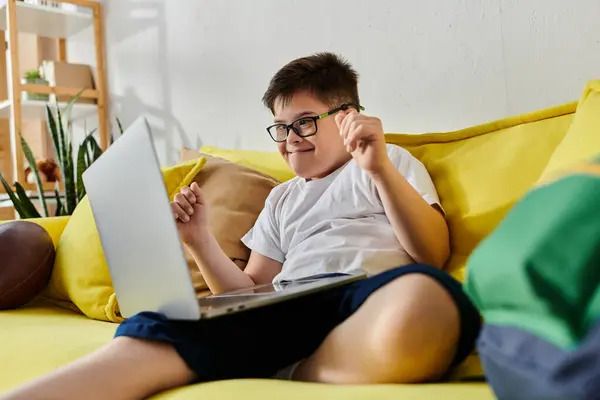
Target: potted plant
{"x":34,"y":77}
{"x":71,"y":167}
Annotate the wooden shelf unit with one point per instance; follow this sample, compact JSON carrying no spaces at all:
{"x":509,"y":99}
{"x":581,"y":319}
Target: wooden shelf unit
{"x":59,"y":24}
{"x":47,"y":21}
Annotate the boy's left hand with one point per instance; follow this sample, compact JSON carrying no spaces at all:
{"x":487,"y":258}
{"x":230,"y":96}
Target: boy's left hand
{"x":364,"y":140}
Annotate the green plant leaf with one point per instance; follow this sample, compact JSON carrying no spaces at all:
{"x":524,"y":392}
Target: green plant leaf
{"x":82,"y":164}
{"x":81,"y":167}
{"x":53,"y":132}
{"x":38,"y":182}
{"x":87,"y":156}
{"x":62,"y":137}
{"x":69,"y":173}
{"x":59,"y":205}
{"x":96,"y":150}
{"x":33,"y":74}
{"x":70,"y":191}
{"x":13,"y":198}
{"x":112,"y":136}
{"x":69,"y":107}
{"x":120,"y":125}
{"x":28,"y":206}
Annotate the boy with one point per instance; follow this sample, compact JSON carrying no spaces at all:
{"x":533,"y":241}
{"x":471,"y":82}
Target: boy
{"x":356,"y":204}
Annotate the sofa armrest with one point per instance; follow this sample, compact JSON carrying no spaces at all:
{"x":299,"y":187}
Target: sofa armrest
{"x":53,"y":225}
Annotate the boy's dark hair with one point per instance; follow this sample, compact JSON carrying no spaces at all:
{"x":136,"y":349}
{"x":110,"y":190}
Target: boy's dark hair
{"x":327,"y":76}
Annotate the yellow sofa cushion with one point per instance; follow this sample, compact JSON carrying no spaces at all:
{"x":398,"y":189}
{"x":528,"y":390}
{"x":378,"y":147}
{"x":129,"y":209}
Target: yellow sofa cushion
{"x":39,"y":339}
{"x":582,"y":140}
{"x":267,"y":162}
{"x":277,"y":390}
{"x":481,"y":171}
{"x":80,"y":272}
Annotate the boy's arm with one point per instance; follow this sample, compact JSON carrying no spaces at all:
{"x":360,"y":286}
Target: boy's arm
{"x":419,"y":227}
{"x":221,"y":274}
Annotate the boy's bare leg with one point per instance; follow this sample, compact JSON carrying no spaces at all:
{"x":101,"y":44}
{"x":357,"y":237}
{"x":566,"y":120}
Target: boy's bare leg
{"x":406,"y":332}
{"x":125,"y":368}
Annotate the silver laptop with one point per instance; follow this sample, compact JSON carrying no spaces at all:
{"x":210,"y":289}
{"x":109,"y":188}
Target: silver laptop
{"x":141,"y":243}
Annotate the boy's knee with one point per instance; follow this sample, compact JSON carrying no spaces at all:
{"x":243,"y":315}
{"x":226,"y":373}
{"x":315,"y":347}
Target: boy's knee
{"x":414,"y":337}
{"x":160,"y":359}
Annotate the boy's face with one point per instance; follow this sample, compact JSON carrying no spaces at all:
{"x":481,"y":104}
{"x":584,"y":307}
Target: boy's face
{"x":316,"y":156}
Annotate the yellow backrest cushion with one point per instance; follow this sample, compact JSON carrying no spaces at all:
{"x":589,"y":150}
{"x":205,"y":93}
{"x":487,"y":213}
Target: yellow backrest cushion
{"x":481,"y":171}
{"x":80,"y":273}
{"x":267,"y":162}
{"x":582,"y":141}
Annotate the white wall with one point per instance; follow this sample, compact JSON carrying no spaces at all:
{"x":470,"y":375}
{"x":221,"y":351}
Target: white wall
{"x":198,"y":68}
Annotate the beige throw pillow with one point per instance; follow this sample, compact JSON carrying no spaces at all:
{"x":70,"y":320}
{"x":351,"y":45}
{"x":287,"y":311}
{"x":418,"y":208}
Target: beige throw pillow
{"x":235,"y":196}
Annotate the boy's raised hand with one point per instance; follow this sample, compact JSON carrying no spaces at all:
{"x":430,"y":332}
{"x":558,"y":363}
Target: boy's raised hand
{"x":364,"y":140}
{"x":190,"y":212}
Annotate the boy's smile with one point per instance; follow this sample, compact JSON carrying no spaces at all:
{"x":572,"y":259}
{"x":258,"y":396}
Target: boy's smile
{"x":315,"y":156}
{"x":300,"y":151}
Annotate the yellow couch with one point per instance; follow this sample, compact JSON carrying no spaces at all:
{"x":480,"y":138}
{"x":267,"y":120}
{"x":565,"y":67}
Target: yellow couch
{"x":479,"y":172}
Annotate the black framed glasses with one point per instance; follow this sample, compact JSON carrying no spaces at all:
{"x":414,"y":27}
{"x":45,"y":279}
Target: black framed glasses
{"x":305,"y":126}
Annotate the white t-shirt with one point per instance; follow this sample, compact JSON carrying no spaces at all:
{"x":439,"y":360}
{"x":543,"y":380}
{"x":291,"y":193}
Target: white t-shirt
{"x":334,"y":224}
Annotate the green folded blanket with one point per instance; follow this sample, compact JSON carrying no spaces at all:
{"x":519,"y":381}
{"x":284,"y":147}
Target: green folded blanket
{"x":535,"y":280}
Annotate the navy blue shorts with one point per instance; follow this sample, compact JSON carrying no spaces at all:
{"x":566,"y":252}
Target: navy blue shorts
{"x":259,"y":342}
